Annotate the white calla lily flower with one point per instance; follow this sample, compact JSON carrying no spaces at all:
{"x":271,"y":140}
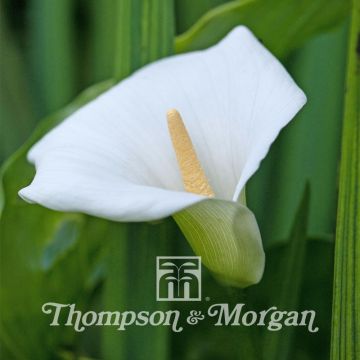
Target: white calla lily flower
{"x":116,"y":158}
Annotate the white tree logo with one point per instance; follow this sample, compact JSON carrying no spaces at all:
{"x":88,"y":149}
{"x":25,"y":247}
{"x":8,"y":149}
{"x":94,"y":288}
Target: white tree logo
{"x":178,"y":278}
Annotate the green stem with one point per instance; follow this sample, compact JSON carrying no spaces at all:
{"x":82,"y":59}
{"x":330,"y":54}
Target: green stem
{"x":51,"y":39}
{"x":103,"y":26}
{"x":113,"y":346}
{"x":145,"y":32}
{"x":131,"y":285}
{"x":345,"y":342}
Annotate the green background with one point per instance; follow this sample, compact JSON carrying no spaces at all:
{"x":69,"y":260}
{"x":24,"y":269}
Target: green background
{"x":51,"y":51}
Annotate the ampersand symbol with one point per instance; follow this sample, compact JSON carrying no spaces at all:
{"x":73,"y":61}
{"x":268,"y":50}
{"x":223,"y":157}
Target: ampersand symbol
{"x":194,"y":317}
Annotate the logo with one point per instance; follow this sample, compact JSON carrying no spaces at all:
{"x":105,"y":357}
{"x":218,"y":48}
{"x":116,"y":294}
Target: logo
{"x":178,"y":278}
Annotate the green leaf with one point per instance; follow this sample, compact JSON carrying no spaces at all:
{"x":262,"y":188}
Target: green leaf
{"x":315,"y":267}
{"x":281,"y":24}
{"x":292,"y":266}
{"x":297,"y":277}
{"x":188,"y":11}
{"x":226,"y":236}
{"x":346,"y":303}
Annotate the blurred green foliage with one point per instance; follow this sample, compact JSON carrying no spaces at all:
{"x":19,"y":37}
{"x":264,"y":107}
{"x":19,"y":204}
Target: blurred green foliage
{"x":291,"y":21}
{"x":52,"y":49}
{"x":17,"y":118}
{"x":308,"y":147}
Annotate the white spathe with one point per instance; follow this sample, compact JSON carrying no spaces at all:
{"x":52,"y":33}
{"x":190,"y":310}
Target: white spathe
{"x":114,"y":158}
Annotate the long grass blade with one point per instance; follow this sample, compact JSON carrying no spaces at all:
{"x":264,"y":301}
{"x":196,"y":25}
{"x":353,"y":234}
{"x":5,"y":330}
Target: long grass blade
{"x":345,"y":342}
